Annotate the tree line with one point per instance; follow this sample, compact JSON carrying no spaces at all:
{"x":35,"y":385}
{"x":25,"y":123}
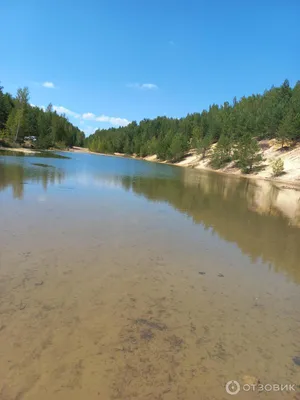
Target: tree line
{"x":20,"y":121}
{"x":234,"y":129}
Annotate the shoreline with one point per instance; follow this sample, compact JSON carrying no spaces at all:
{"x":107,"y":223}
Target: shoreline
{"x":20,"y":150}
{"x":192,"y":161}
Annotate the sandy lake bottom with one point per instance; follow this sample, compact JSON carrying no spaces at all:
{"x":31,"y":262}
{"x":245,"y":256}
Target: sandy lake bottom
{"x":149,"y":284}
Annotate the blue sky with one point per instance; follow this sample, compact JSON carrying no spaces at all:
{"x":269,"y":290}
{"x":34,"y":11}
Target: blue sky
{"x":115,"y":61}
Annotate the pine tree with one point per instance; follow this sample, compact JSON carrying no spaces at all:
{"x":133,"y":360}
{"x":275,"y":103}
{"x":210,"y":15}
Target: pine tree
{"x":203,"y":145}
{"x":22,"y":100}
{"x":275,"y":113}
{"x":177,"y":148}
{"x":6,"y":105}
{"x":247,"y":154}
{"x":13,"y":123}
{"x":291,"y":121}
{"x":222,"y":152}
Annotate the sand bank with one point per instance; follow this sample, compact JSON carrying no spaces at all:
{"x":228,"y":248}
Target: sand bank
{"x":270,"y":150}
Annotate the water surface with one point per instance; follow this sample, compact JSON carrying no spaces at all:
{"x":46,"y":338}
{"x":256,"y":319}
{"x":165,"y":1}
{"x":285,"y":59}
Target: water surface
{"x":122,"y":279}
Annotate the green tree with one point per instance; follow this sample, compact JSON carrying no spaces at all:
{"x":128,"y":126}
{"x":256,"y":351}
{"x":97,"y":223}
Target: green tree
{"x":152,"y":146}
{"x":12,"y":124}
{"x":22,"y":100}
{"x":275,"y":113}
{"x":6,"y":105}
{"x":177,"y":148}
{"x":284,"y":131}
{"x":197,"y":135}
{"x":203,"y":145}
{"x":222,"y":152}
{"x":290,"y":124}
{"x":127,"y":146}
{"x":247,"y":154}
{"x":19,"y":119}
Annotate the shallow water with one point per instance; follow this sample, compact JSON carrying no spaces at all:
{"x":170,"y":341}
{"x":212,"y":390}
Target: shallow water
{"x":122,"y":279}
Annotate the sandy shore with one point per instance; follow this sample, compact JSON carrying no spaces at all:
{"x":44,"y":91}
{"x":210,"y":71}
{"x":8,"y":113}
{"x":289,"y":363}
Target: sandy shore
{"x":271,"y":150}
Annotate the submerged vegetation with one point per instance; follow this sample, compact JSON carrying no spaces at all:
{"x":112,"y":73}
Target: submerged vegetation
{"x":234,"y":129}
{"x":40,"y":154}
{"x":25,"y":124}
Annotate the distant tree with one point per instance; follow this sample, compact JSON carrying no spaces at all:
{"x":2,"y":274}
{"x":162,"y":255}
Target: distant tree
{"x":13,"y":124}
{"x":163,"y":146}
{"x":290,"y":124}
{"x":283,"y":131}
{"x":49,"y":108}
{"x":275,"y":113}
{"x":203,"y":145}
{"x":177,"y":148}
{"x":6,"y":105}
{"x":152,"y":146}
{"x":222,"y":152}
{"x":247,"y":153}
{"x":127,"y":146}
{"x":45,"y":138}
{"x":197,"y":135}
{"x":19,"y":122}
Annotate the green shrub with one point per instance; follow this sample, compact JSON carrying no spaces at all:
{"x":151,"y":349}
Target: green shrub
{"x":277,"y":166}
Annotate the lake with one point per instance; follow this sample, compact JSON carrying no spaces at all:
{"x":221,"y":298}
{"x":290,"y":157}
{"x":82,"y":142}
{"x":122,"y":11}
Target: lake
{"x":125,"y":279}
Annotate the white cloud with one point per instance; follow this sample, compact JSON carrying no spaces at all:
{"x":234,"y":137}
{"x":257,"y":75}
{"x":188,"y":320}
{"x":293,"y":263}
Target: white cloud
{"x":63,"y":110}
{"x":146,"y":86}
{"x":116,"y":121}
{"x":89,"y":116}
{"x":49,"y":85}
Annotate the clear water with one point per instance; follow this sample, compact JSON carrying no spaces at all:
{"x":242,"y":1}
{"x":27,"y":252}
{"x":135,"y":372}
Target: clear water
{"x":122,"y":279}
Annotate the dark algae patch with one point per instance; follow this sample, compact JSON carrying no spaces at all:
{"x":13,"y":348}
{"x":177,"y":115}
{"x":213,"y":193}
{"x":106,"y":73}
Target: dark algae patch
{"x":43,"y":165}
{"x":151,"y":324}
{"x":146,"y":334}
